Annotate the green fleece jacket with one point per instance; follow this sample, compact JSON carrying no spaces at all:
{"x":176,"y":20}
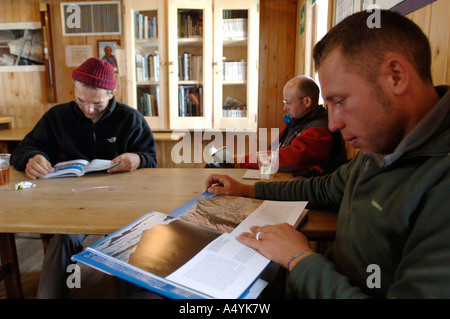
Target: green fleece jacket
{"x":393,"y":231}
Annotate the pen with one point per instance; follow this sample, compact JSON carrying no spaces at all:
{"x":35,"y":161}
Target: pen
{"x":90,"y":188}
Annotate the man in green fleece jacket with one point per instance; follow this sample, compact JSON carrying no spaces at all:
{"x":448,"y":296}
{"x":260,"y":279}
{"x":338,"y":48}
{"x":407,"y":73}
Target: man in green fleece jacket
{"x":393,"y":198}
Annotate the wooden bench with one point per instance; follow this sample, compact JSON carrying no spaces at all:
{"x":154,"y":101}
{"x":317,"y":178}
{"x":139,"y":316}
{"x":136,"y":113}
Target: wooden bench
{"x":9,"y":138}
{"x":7,"y":122}
{"x":9,"y":135}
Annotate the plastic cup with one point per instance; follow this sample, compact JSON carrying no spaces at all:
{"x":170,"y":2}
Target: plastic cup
{"x":267,"y":163}
{"x":4,"y":168}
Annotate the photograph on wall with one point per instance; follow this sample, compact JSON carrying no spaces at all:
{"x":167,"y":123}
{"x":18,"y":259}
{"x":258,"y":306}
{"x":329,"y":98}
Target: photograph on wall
{"x":107,"y":52}
{"x":21,"y":47}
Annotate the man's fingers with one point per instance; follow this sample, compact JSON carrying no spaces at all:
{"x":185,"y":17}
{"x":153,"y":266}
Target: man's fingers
{"x":249,"y":239}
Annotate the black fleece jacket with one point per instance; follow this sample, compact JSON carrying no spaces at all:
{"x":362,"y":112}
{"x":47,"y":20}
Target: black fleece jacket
{"x":64,"y":133}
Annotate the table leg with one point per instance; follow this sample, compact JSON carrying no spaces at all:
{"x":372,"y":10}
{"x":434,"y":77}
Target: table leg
{"x":9,"y":269}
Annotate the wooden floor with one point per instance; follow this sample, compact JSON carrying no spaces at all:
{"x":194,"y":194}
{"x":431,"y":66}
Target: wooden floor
{"x":30,"y":252}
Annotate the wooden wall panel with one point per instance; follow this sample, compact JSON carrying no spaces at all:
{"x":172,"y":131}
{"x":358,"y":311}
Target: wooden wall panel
{"x":22,"y":97}
{"x":278,"y":25}
{"x":64,"y":73}
{"x":433,"y":19}
{"x":28,"y":102}
{"x":24,"y":93}
{"x":21,"y":93}
{"x":277,"y":58}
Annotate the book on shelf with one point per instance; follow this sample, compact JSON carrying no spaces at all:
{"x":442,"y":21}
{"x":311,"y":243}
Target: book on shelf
{"x":157,"y":102}
{"x":190,"y":67}
{"x":192,"y":252}
{"x":233,"y":108}
{"x":190,"y":24}
{"x":196,"y":68}
{"x":234,"y":27}
{"x":147,"y":66}
{"x":190,"y":99}
{"x":187,"y":71}
{"x":148,"y":103}
{"x":234,"y":71}
{"x":145,"y":27}
{"x":79,"y":167}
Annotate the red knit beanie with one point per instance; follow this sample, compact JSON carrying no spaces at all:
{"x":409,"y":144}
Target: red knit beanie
{"x":97,"y":73}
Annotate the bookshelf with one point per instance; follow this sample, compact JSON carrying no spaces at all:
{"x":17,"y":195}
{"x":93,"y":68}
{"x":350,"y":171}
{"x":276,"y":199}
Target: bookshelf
{"x":192,"y":62}
{"x":236,"y":53}
{"x":145,"y":54}
{"x":190,"y":71}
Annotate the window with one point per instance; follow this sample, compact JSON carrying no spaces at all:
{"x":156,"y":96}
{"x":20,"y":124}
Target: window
{"x":316,"y":28}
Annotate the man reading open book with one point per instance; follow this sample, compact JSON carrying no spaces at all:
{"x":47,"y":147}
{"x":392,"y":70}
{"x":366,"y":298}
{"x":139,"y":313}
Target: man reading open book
{"x":393,"y":225}
{"x":92,"y":126}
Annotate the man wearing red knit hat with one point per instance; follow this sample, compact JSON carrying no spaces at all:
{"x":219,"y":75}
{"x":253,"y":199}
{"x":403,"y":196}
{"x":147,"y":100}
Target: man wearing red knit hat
{"x":93,"y":126}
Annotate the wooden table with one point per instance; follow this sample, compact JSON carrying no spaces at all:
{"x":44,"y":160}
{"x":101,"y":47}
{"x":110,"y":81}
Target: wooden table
{"x":51,"y":207}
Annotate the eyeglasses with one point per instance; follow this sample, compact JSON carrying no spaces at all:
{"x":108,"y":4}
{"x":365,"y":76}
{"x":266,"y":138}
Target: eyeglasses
{"x":289,"y":103}
{"x":99,"y":106}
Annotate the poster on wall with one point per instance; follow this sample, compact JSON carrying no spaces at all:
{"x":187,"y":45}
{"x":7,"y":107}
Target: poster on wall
{"x":302,"y":20}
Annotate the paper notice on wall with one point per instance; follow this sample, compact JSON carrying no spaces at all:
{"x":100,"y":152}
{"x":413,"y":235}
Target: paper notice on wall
{"x":121,"y":63}
{"x":384,"y":4}
{"x":344,"y":8}
{"x":77,"y":54}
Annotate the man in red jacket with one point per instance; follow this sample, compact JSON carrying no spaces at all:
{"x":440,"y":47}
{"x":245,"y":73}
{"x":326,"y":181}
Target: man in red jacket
{"x":306,"y":140}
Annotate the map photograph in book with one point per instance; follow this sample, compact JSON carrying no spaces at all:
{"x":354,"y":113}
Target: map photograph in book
{"x":223,"y":213}
{"x":192,"y":251}
{"x":79,"y":167}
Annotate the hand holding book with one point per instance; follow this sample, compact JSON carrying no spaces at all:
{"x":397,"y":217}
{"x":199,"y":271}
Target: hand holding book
{"x":126,"y":162}
{"x":38,"y":166}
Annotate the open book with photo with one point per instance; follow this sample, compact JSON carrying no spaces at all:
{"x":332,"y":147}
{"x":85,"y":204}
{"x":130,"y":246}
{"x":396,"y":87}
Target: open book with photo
{"x":192,"y":252}
{"x":79,"y":167}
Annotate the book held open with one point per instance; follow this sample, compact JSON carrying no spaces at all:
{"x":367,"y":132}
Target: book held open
{"x":192,"y":252}
{"x":79,"y":167}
